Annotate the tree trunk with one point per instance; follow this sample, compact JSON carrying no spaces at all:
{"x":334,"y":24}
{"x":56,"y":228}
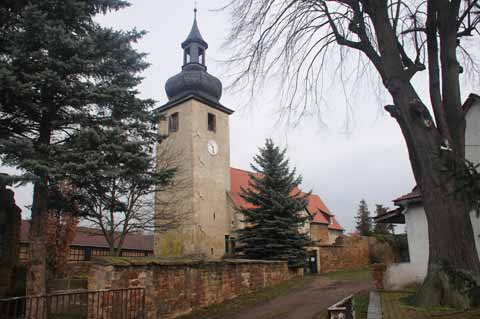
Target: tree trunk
{"x":453,"y":254}
{"x":36,"y":275}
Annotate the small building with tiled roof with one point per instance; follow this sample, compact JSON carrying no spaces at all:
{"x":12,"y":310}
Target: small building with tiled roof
{"x":410,"y":211}
{"x":322,"y":225}
{"x":90,"y":242}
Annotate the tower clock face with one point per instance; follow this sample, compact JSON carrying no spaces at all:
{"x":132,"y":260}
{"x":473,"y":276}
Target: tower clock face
{"x":212,"y":147}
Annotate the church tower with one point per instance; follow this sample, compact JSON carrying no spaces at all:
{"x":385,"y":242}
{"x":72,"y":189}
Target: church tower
{"x":197,"y":126}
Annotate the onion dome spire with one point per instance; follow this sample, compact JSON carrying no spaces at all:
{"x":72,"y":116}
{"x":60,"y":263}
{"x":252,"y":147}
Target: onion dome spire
{"x":194,"y":78}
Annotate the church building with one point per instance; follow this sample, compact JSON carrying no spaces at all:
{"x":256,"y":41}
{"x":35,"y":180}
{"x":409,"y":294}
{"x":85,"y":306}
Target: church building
{"x":197,"y":129}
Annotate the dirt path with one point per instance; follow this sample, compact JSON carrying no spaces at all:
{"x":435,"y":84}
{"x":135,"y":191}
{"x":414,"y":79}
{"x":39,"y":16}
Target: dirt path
{"x":305,"y":303}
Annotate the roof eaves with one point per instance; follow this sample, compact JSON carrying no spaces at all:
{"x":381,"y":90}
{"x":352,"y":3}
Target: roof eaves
{"x":193,"y":95}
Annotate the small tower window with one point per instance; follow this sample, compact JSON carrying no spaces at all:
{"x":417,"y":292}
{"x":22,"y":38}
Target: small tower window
{"x":173,"y":123}
{"x":212,"y":125}
{"x":201,"y":55}
{"x":187,"y":57}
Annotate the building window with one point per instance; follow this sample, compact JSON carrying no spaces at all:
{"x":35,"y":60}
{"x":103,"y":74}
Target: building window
{"x":76,"y":254}
{"x":201,"y":55}
{"x":212,"y":125}
{"x":229,"y":246}
{"x":100,"y":252}
{"x":187,"y":56}
{"x":173,"y":123}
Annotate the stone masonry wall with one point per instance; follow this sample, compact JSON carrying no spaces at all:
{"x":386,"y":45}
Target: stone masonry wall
{"x":351,"y":253}
{"x":319,"y":232}
{"x":173,"y":288}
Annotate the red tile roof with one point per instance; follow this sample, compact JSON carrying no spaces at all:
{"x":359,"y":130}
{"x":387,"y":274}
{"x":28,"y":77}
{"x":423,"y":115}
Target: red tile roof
{"x":321,"y":214}
{"x":239,"y":179}
{"x":90,"y":237}
{"x":335,"y":225}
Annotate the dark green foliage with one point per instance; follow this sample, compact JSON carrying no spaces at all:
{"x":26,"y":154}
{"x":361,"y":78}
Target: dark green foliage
{"x":364,"y":222}
{"x":381,"y":228}
{"x":61,"y":72}
{"x":274,"y":219}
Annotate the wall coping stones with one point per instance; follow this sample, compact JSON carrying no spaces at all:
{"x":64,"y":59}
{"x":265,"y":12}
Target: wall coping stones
{"x":161,"y":261}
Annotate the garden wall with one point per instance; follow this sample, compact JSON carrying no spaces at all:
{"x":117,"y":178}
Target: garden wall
{"x":351,"y":253}
{"x":177,"y":287}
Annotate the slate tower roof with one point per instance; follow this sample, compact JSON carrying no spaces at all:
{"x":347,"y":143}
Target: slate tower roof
{"x":194,"y":80}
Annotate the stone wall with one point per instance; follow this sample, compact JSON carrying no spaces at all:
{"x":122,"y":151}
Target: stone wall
{"x":173,"y":288}
{"x":319,"y":232}
{"x":352,"y":252}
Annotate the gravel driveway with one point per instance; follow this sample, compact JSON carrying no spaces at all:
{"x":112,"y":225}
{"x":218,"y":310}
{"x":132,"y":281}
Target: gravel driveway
{"x":304,"y":303}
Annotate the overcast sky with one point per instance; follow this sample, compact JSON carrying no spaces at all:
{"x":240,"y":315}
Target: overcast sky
{"x":369,"y":161}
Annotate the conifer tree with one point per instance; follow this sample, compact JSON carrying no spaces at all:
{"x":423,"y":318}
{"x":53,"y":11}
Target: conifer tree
{"x":61,"y":71}
{"x":364,"y":223}
{"x":273,"y":217}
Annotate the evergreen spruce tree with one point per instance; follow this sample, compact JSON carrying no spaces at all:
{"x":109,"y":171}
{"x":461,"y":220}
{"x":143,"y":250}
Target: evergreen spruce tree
{"x":273,"y":217}
{"x":60,"y":71}
{"x":364,"y":223}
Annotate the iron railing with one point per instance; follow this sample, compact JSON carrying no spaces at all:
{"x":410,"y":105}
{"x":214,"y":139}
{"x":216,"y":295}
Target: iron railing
{"x":89,"y":304}
{"x":342,"y":309}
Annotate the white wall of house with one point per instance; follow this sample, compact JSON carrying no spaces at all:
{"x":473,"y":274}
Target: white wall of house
{"x":472,"y":134}
{"x":403,"y":274}
{"x":417,"y":235}
{"x":400,"y":275}
{"x":472,"y":153}
{"x":476,"y":230}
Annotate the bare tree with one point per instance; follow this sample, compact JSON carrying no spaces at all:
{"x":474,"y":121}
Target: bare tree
{"x":296,"y":39}
{"x":139,"y":208}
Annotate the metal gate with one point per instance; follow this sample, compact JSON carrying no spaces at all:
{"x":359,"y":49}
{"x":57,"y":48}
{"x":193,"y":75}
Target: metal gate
{"x":312,"y":262}
{"x":89,"y":304}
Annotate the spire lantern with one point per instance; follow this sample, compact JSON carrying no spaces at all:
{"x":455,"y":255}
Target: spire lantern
{"x":194,"y":80}
{"x":194,"y":46}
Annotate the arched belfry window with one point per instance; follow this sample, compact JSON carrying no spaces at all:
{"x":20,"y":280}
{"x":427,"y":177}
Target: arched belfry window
{"x":201,"y":55}
{"x":212,"y":122}
{"x":173,"y":123}
{"x":187,"y":56}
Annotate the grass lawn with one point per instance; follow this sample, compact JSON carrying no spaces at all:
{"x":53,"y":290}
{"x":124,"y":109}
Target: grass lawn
{"x":395,"y":306}
{"x":232,"y":306}
{"x":360,"y":304}
{"x":350,"y":275}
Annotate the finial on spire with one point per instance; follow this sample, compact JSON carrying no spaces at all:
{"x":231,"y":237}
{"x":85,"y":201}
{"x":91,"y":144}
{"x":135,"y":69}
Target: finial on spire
{"x":195,"y":9}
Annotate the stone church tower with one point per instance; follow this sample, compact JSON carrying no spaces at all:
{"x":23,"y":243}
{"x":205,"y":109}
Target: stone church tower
{"x":197,"y":125}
